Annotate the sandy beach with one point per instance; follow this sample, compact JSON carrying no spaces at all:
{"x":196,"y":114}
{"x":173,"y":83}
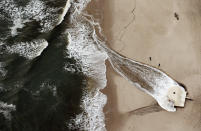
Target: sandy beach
{"x":168,"y":32}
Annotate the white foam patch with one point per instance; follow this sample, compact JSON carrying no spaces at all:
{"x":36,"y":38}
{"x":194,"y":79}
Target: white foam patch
{"x":17,"y":24}
{"x":28,"y":50}
{"x":82,"y":47}
{"x":6,"y":109}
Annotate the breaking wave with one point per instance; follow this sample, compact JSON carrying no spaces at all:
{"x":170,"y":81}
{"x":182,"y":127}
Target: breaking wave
{"x":28,"y":50}
{"x":82,"y":47}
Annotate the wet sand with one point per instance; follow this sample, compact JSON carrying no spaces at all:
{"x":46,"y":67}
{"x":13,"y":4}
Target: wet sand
{"x":168,"y":32}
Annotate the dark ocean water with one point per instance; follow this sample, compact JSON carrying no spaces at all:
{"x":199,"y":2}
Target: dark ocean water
{"x":36,"y":92}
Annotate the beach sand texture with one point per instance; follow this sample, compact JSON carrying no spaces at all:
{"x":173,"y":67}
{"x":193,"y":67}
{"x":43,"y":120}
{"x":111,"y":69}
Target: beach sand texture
{"x":169,"y":32}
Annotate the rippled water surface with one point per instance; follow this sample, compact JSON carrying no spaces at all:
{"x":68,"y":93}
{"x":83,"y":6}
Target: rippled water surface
{"x":49,"y":79}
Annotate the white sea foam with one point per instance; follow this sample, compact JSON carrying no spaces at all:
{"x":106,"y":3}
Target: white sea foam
{"x":34,"y":10}
{"x":29,"y":50}
{"x":17,"y":24}
{"x":92,"y":119}
{"x":6,"y":109}
{"x":83,"y":48}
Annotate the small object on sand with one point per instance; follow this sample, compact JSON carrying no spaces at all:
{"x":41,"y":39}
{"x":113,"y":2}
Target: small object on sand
{"x":176,"y":16}
{"x":159,"y":65}
{"x":150,"y":58}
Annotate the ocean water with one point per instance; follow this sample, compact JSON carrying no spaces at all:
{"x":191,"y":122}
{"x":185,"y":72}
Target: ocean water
{"x":51,"y":70}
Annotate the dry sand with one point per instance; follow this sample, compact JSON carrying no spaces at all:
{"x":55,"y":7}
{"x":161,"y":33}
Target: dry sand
{"x":168,"y":31}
